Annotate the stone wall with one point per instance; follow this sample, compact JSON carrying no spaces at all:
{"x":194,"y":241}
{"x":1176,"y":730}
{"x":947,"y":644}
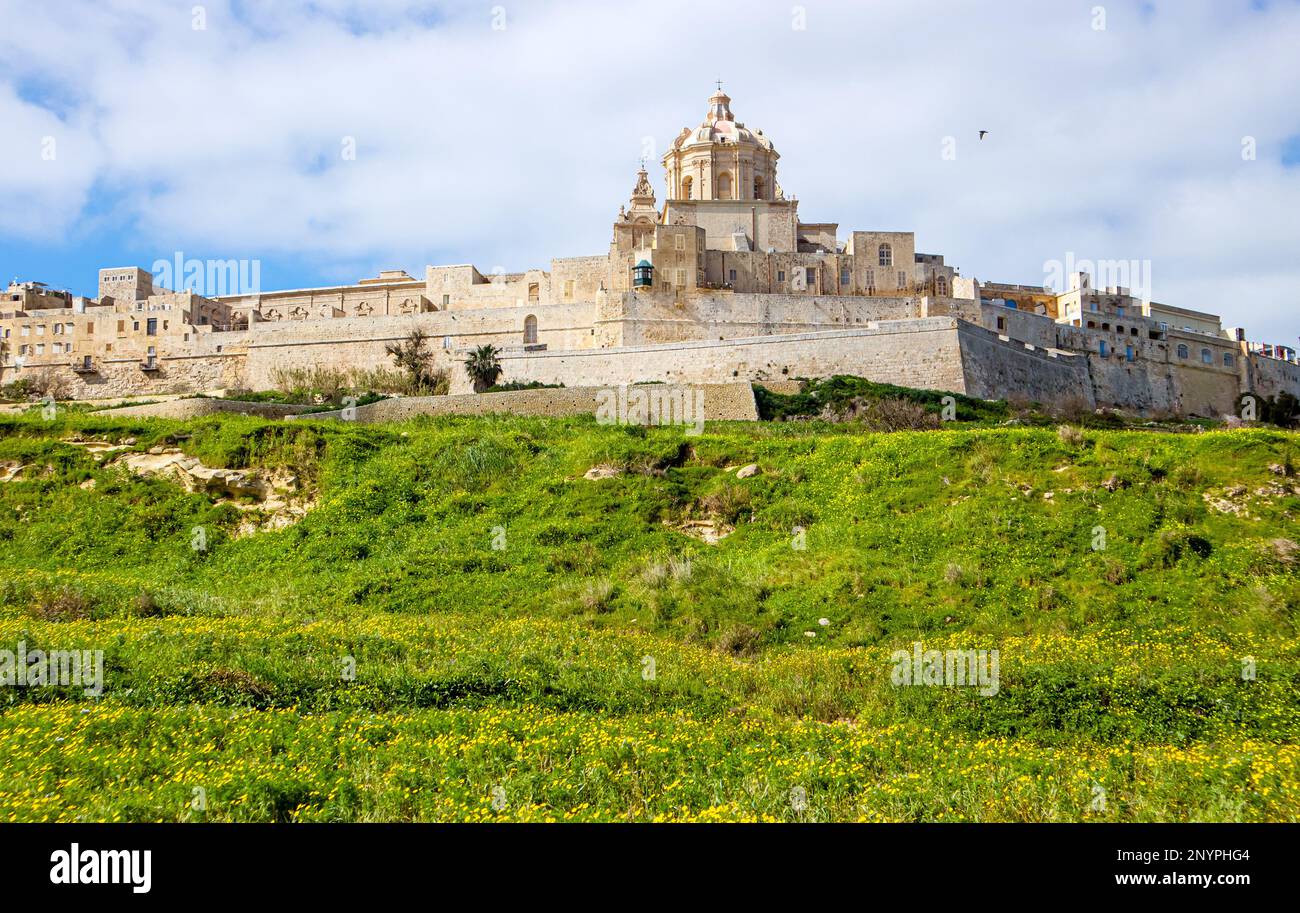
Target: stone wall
{"x":200,"y":406}
{"x":1271,"y":376}
{"x":123,"y":377}
{"x":720,"y":402}
{"x":913,"y":353}
{"x":998,"y":368}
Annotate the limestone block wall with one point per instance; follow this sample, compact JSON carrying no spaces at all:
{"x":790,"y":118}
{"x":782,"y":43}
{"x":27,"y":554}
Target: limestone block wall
{"x":998,"y":368}
{"x":123,"y":377}
{"x":376,"y":300}
{"x":914,"y":353}
{"x":200,"y":406}
{"x":734,"y":401}
{"x":360,"y":343}
{"x":576,"y":279}
{"x":1271,"y":376}
{"x":1200,"y":390}
{"x":650,"y":319}
{"x":1145,"y":386}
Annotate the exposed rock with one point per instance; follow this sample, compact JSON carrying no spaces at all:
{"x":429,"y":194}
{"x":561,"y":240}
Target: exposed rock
{"x":710,"y":531}
{"x":745,"y":472}
{"x":604,"y":471}
{"x":1284,"y":550}
{"x":101,"y":449}
{"x":1114,"y":483}
{"x":268,"y":497}
{"x":10,"y":470}
{"x":1222,"y":505}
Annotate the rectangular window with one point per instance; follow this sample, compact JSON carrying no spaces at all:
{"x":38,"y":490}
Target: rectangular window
{"x":780,"y":275}
{"x":1103,"y":348}
{"x":446,"y":300}
{"x":902,"y":280}
{"x":846,"y":278}
{"x":681,"y":242}
{"x":681,"y":277}
{"x":732,"y":275}
{"x":121,"y":326}
{"x":810,"y":275}
{"x":1128,"y":353}
{"x":568,"y":288}
{"x":151,"y":327}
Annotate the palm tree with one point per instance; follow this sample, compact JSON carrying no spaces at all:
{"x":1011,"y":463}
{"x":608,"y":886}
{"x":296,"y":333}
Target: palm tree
{"x":483,"y":368}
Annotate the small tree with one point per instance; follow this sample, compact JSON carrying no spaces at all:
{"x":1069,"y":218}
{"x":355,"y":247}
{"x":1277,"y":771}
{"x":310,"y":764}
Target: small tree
{"x":412,"y":355}
{"x":483,"y":367}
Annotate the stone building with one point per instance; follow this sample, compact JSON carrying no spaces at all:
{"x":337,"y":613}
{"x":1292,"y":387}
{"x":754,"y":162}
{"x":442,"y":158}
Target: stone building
{"x":721,"y":281}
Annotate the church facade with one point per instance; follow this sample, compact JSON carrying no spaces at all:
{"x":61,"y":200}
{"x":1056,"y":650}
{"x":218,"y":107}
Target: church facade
{"x":721,"y":281}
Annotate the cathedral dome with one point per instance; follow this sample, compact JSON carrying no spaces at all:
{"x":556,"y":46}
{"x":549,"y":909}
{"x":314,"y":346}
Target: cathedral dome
{"x":720,"y":126}
{"x":721,"y":159}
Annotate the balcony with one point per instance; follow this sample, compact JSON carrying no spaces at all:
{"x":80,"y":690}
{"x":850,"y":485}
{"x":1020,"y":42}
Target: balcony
{"x":85,"y":366}
{"x":150,"y":365}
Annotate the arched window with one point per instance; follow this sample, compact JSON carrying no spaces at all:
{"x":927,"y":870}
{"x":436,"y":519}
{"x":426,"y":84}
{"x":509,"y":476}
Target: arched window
{"x":758,"y":187}
{"x":530,"y":329}
{"x":687,"y":184}
{"x":886,"y":255}
{"x":1207,"y":356}
{"x":724,"y":186}
{"x":1183,"y":351}
{"x":941,"y":286}
{"x":1227,"y":359}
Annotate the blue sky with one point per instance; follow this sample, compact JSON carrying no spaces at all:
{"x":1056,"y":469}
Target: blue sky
{"x":505,"y":134}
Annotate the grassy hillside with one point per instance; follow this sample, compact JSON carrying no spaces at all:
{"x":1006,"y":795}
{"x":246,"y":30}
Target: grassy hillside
{"x":465,"y":627}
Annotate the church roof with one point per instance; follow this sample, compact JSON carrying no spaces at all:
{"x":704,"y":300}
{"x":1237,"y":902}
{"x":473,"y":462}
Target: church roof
{"x":720,"y":126}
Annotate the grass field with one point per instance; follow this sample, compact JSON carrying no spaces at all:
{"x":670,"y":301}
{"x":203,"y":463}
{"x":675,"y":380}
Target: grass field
{"x":464,"y":627}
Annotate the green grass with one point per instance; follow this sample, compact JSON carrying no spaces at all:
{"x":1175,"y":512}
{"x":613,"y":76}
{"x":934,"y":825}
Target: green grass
{"x":462,"y":615}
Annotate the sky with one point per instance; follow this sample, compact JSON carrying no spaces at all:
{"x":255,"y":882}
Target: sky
{"x":330,"y":139}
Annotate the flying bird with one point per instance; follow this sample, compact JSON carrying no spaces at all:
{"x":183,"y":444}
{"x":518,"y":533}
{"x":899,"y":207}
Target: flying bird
{"x":983,"y":133}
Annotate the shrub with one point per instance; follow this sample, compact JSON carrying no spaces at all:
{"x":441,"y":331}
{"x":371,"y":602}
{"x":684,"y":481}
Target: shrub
{"x":1070,"y":435}
{"x":414,"y":359}
{"x":63,"y":604}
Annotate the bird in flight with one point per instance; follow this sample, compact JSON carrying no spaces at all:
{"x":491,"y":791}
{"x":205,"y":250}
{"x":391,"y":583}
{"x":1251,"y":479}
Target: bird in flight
{"x":983,"y":133}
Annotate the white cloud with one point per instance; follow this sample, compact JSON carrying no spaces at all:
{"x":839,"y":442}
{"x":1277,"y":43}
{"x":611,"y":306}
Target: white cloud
{"x":511,"y":147}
